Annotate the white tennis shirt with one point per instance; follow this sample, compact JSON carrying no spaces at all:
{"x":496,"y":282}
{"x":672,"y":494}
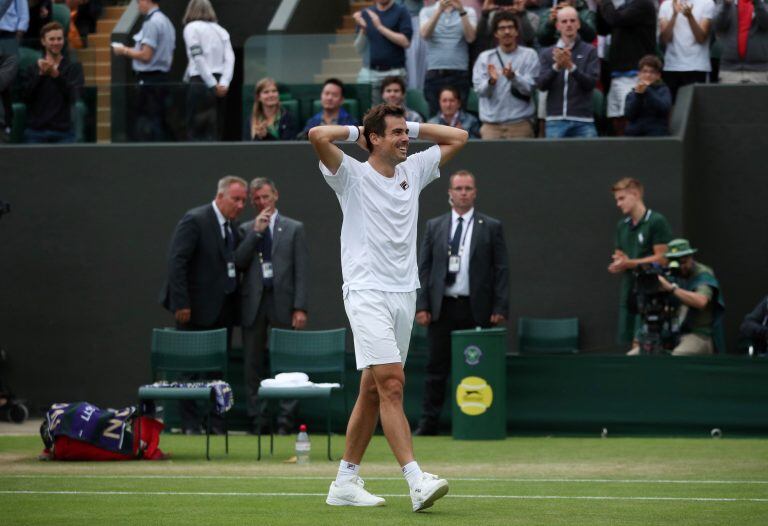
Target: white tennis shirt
{"x":378,"y":233}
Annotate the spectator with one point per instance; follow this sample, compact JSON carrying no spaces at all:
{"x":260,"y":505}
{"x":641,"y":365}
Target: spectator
{"x":569,"y":72}
{"x":460,"y":288}
{"x":504,"y":78}
{"x":393,"y":92}
{"x":14,"y":22}
{"x":743,"y":30}
{"x":641,"y":239}
{"x":331,"y":99}
{"x":684,"y":28}
{"x":269,"y":121}
{"x":527,"y":22}
{"x":88,"y":13}
{"x":702,"y":301}
{"x":416,"y":54}
{"x":151,"y":56}
{"x":548,"y":34}
{"x":648,"y":105}
{"x":202,"y":287}
{"x":52,"y":86}
{"x":387,"y":26}
{"x":754,"y":328}
{"x":447,"y":29}
{"x":40,"y":13}
{"x":209,"y":72}
{"x":632,"y":28}
{"x":452,"y":115}
{"x":275,"y":262}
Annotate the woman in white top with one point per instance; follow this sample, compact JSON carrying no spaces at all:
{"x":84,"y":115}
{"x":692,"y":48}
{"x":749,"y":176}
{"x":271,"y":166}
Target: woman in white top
{"x":209,"y":72}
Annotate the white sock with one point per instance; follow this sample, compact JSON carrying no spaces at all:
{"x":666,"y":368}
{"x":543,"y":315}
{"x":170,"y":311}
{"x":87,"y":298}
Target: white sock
{"x":347,"y":472}
{"x":412,"y":473}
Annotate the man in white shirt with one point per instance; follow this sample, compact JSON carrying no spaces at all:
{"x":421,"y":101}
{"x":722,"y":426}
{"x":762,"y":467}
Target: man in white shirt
{"x":464,"y":284}
{"x":684,"y":27}
{"x":380,"y":202}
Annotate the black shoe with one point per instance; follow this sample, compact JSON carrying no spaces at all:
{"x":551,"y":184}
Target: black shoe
{"x":425,"y":431}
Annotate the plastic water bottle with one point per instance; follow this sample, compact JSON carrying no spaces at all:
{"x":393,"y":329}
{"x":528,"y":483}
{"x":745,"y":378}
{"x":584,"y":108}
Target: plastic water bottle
{"x":303,"y":445}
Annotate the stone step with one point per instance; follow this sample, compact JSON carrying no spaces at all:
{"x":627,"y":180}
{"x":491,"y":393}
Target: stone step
{"x":97,"y":69}
{"x":342,"y":51}
{"x":347,"y":22}
{"x":333,"y":67}
{"x":104,"y":132}
{"x":106,"y":26}
{"x":113,"y":11}
{"x":347,"y":78}
{"x":99,"y":40}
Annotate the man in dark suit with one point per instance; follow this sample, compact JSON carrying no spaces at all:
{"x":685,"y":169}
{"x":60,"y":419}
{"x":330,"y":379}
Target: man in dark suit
{"x":201,"y":290}
{"x":464,"y":284}
{"x":275,"y":262}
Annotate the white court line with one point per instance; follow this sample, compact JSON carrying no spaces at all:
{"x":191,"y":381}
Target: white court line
{"x":276,"y":494}
{"x":458,"y":479}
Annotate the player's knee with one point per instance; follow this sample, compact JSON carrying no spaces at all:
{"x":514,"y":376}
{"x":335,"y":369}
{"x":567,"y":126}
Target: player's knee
{"x":370,"y":393}
{"x":391,"y":390}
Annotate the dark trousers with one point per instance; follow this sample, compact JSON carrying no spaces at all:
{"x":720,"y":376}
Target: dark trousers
{"x":151,"y":108}
{"x":677,"y":79}
{"x":256,"y":357}
{"x":437,"y":79}
{"x":9,"y":62}
{"x":190,"y":412}
{"x":455,"y":314}
{"x":204,"y":112}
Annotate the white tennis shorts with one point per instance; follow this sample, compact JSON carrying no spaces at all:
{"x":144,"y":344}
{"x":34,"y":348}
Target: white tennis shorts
{"x":381,"y":324}
{"x":617,"y":96}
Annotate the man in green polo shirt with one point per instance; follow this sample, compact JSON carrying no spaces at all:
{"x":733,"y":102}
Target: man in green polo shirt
{"x":701,"y":301}
{"x":641,"y":239}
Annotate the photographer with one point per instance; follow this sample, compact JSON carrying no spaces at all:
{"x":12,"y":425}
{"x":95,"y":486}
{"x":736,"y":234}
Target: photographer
{"x":755,"y":327}
{"x":641,"y":239}
{"x":701,"y":301}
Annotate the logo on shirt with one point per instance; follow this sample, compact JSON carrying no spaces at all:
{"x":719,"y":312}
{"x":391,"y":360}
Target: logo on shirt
{"x":404,"y":185}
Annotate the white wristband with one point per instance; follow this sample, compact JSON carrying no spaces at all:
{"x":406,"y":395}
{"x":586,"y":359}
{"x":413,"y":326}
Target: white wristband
{"x":354,"y":134}
{"x":413,"y":129}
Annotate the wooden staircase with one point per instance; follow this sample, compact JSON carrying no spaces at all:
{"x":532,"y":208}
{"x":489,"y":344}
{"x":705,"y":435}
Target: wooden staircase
{"x":97,"y":68}
{"x":343,"y":62}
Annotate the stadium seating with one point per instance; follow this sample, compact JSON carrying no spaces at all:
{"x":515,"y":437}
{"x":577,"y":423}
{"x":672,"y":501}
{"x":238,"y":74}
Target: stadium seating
{"x":187,"y":352}
{"x":547,"y":336}
{"x":308,"y":352}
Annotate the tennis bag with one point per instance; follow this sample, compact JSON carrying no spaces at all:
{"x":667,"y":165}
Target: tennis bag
{"x":82,"y":431}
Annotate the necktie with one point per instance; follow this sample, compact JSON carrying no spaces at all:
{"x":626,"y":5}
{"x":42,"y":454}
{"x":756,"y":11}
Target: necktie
{"x":266,"y":255}
{"x":229,"y":241}
{"x":450,"y":278}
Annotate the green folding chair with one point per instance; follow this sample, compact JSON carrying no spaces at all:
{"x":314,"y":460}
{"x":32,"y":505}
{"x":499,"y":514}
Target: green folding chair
{"x":548,"y":336}
{"x":309,"y":352}
{"x":414,"y":99}
{"x":187,"y":352}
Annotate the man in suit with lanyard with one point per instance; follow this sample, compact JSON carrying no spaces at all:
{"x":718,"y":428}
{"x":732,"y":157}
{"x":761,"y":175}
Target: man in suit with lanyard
{"x":464,"y":284}
{"x":275,"y":262}
{"x":202,"y":286}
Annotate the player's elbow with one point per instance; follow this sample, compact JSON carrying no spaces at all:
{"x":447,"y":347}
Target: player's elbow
{"x":315,"y":135}
{"x":462,"y":136}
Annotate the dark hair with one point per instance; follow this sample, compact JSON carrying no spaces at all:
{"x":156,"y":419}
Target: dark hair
{"x":504,"y":15}
{"x":335,"y":82}
{"x":651,"y":61}
{"x":50,"y":26}
{"x":375,"y":121}
{"x":452,"y":89}
{"x":393,"y":79}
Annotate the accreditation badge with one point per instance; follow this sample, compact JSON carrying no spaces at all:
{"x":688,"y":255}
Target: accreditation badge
{"x":454,"y":264}
{"x":266,"y":269}
{"x":231,"y":272}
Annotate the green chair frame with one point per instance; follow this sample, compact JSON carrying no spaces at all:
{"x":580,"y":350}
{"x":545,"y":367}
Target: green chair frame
{"x":547,"y":335}
{"x":309,"y":352}
{"x":175,"y":351}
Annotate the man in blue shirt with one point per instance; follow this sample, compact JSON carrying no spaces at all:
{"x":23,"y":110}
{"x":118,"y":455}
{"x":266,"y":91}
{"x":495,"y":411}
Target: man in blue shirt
{"x":331,"y":99}
{"x":388,"y":28}
{"x":152,"y":56}
{"x":14,"y":21}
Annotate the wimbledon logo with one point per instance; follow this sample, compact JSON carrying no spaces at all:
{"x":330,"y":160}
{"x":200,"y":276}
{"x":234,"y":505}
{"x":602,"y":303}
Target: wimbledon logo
{"x":472,"y":355}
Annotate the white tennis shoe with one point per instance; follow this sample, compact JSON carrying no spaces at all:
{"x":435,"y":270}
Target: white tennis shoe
{"x":352,"y":494}
{"x":427,"y":490}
